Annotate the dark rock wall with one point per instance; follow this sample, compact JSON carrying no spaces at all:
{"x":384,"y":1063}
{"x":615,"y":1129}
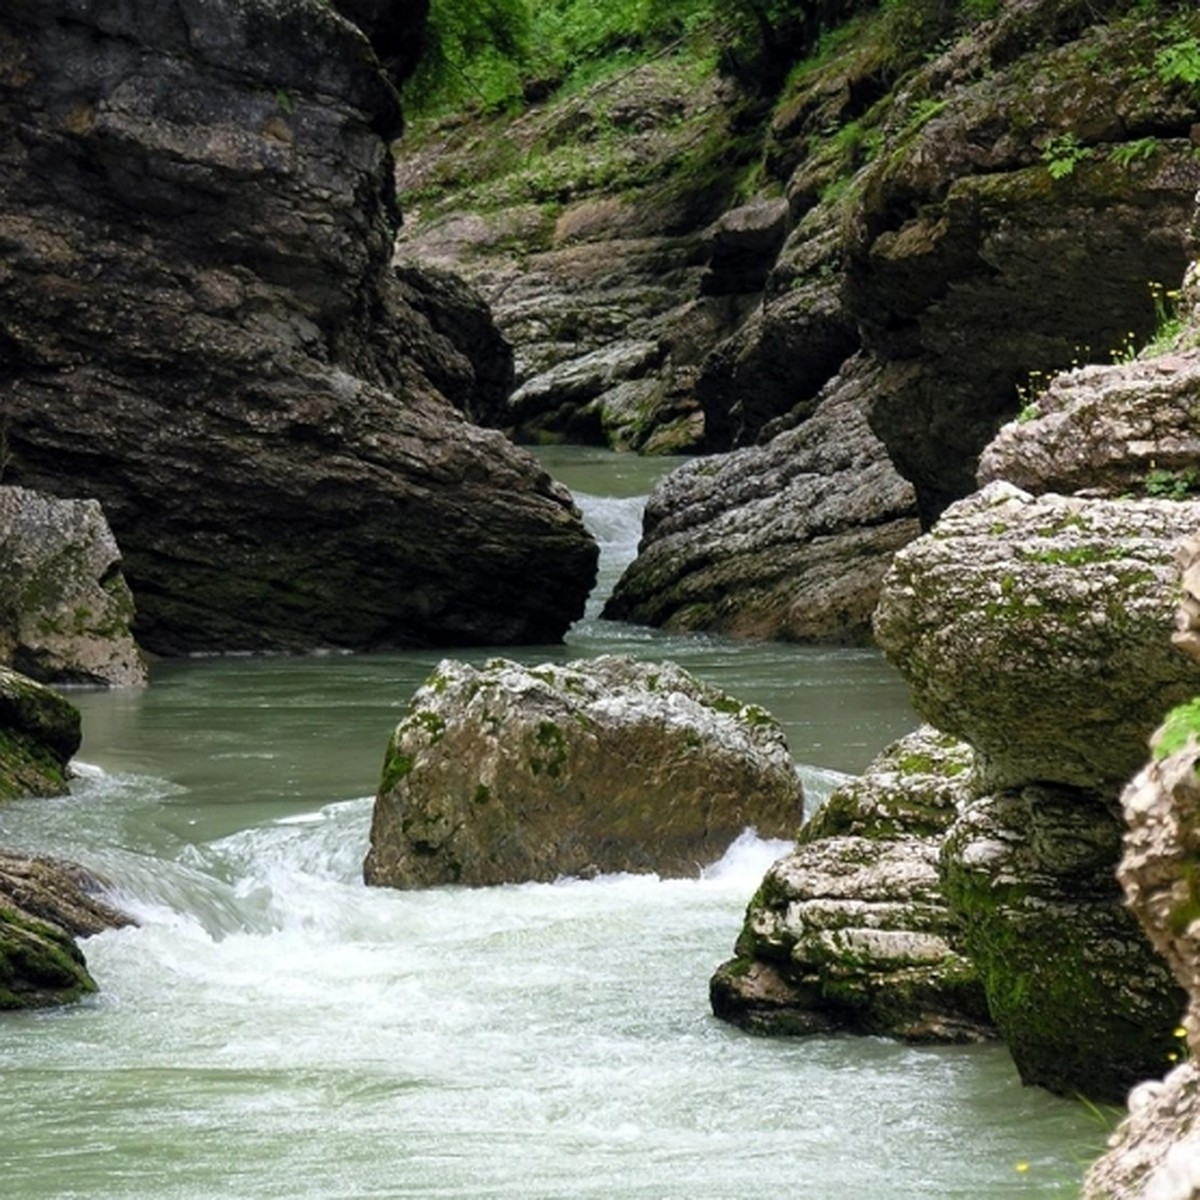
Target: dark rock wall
{"x":200,"y":328}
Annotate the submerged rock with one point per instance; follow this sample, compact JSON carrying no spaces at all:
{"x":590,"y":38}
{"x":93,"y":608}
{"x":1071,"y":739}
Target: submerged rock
{"x":65,"y":608}
{"x":788,"y":540}
{"x":1038,"y":630}
{"x":44,"y":905}
{"x":850,"y":931}
{"x":203,"y":331}
{"x":39,"y":733}
{"x":507,"y":773}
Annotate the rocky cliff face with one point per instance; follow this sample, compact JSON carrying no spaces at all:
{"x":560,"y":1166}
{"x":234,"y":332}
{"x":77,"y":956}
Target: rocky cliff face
{"x":959,"y":220}
{"x":200,"y":328}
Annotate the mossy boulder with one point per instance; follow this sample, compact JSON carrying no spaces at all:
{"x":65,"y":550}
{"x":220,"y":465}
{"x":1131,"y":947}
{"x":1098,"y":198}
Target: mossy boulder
{"x":65,"y":608}
{"x":1078,"y":993}
{"x":507,"y":773}
{"x":1038,"y":629}
{"x":39,"y":733}
{"x":44,"y":905}
{"x":850,"y":931}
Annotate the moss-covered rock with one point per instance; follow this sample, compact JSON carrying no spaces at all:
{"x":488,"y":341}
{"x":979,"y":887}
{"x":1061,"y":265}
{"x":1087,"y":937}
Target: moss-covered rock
{"x":1038,"y":629}
{"x":850,"y":931}
{"x":1081,"y":999}
{"x":39,"y":732}
{"x":508,"y":773}
{"x":44,"y":905}
{"x":65,"y":608}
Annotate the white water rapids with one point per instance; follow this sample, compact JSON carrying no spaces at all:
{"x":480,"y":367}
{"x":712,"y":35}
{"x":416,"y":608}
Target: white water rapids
{"x":273,"y":1028}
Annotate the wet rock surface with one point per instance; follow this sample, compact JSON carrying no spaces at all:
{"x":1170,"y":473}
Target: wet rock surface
{"x":44,"y":904}
{"x":509,"y":773}
{"x":851,"y":931}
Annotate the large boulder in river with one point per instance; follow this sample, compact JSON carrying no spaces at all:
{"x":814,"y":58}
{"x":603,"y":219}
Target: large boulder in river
{"x":39,"y":733}
{"x":44,"y":905}
{"x":1037,"y":629}
{"x":850,"y":931}
{"x":510,"y":773}
{"x":65,"y":608}
{"x":202,"y":330}
{"x":788,"y":540}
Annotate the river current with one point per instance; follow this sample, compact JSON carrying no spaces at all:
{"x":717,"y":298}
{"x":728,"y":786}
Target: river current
{"x":273,"y":1028}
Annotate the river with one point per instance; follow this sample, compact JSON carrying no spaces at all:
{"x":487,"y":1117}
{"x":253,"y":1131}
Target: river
{"x":273,"y":1028}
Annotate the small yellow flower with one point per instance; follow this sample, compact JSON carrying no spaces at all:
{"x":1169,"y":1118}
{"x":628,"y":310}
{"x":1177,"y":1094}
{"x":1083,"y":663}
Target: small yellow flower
{"x":1180,"y":1032}
{"x":1022,"y":1167}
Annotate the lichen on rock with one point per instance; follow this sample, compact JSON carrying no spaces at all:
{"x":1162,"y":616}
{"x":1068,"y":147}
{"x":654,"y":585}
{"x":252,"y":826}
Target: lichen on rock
{"x":1038,"y":630}
{"x":65,"y":608}
{"x":508,"y":773}
{"x":850,"y":931}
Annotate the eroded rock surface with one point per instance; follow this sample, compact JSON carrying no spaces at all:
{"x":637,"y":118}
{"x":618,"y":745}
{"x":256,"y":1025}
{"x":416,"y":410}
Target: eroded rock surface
{"x":44,"y":905}
{"x":850,"y":931}
{"x":1082,"y":1001}
{"x":1107,"y":431}
{"x":507,"y":773}
{"x":39,"y":733}
{"x":65,"y":608}
{"x":788,"y":540}
{"x":1155,"y":1153}
{"x":1038,"y":630}
{"x":201,"y":329}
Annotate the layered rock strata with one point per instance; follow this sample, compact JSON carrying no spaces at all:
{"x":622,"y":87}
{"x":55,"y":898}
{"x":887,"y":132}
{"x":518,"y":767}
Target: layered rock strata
{"x":851,"y":931}
{"x":44,"y":905}
{"x":509,"y":773}
{"x":789,"y":540}
{"x":201,"y":330}
{"x":65,"y":608}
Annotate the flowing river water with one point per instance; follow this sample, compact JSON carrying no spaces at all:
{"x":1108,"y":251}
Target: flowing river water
{"x":273,"y":1028}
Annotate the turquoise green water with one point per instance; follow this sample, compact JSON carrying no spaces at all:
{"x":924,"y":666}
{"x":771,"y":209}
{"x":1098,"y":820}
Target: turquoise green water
{"x":274,"y":1028}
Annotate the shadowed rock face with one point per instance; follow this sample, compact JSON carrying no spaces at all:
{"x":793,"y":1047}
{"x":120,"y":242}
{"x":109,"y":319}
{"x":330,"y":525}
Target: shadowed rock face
{"x":202,"y":331}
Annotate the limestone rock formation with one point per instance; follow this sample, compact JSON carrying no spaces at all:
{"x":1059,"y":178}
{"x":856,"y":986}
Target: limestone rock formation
{"x":507,"y":773}
{"x":201,"y":329}
{"x":850,"y":931}
{"x":44,"y":905}
{"x":65,"y":608}
{"x":1107,"y":431}
{"x":1018,"y":180}
{"x":1083,"y":1003}
{"x":39,"y":733}
{"x":1155,"y":1153}
{"x":1037,"y":629}
{"x":788,"y":540}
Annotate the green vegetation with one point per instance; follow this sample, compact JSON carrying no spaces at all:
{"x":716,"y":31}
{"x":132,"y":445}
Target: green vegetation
{"x":1180,"y":727}
{"x":1062,"y":154}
